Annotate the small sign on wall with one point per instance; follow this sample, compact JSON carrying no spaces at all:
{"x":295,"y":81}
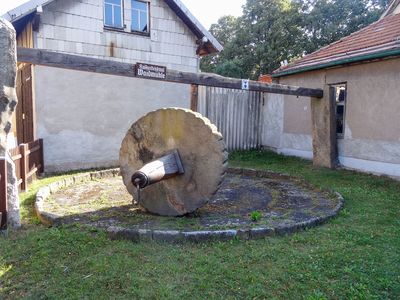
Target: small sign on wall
{"x":245,"y":84}
{"x":150,"y":71}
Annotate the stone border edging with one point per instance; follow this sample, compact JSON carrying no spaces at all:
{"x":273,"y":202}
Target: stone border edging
{"x":51,"y":219}
{"x":137,"y":235}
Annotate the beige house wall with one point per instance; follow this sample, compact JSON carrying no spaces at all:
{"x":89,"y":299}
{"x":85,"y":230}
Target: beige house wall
{"x":83,"y":117}
{"x":287,"y":119}
{"x":372,"y":127}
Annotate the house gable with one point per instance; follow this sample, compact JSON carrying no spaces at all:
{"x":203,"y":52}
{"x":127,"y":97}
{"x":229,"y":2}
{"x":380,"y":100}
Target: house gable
{"x":176,"y":38}
{"x":393,"y":9}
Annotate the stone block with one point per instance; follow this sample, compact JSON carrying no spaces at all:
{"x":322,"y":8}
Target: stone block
{"x":44,"y":192}
{"x":55,"y":186}
{"x":14,"y":219}
{"x":243,"y":234}
{"x":167,"y":236}
{"x":286,"y":229}
{"x":235,"y":171}
{"x":145,"y":235}
{"x":118,"y":233}
{"x":259,"y":233}
{"x":8,"y":102}
{"x":249,"y":172}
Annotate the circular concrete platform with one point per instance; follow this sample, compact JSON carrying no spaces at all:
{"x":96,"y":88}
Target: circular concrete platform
{"x":249,"y":204}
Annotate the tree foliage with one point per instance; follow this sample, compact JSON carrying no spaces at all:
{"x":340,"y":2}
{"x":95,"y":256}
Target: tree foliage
{"x":272,"y":31}
{"x":328,"y":21}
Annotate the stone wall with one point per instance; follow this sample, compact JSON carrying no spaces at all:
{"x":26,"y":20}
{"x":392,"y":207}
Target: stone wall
{"x":8,"y":102}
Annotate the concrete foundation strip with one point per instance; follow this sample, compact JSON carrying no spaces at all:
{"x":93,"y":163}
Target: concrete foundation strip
{"x":137,"y":235}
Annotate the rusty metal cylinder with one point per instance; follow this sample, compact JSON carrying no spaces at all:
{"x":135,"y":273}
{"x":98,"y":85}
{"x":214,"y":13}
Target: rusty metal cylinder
{"x":160,"y":169}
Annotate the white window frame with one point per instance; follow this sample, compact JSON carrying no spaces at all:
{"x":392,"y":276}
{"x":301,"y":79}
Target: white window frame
{"x":138,"y":11}
{"x":113,"y":12}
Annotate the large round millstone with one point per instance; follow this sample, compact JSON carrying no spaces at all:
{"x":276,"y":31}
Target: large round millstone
{"x":202,"y":151}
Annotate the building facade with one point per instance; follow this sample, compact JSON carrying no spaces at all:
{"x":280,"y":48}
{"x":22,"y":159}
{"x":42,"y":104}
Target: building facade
{"x":81,"y":116}
{"x":362,"y":72}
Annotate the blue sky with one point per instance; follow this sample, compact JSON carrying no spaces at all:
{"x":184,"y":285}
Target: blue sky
{"x":206,"y":11}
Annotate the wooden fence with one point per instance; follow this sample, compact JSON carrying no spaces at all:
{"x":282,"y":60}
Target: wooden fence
{"x":28,"y":159}
{"x":236,"y":113}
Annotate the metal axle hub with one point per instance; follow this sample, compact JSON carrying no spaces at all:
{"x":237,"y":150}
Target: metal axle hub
{"x":160,"y":169}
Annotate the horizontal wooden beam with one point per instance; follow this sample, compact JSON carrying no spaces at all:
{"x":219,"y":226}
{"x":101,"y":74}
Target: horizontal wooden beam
{"x":88,"y":64}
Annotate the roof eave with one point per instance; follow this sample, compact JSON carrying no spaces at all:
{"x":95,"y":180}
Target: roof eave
{"x":211,"y":45}
{"x":194,"y":25}
{"x":391,"y":7}
{"x":24,"y":10}
{"x":344,"y":61}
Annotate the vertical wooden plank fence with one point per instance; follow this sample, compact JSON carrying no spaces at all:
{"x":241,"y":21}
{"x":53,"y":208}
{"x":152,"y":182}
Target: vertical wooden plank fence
{"x":236,"y":113}
{"x":28,"y":159}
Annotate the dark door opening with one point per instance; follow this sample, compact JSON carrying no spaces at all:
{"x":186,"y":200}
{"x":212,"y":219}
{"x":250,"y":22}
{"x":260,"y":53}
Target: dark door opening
{"x":25,"y":111}
{"x":339,"y":94}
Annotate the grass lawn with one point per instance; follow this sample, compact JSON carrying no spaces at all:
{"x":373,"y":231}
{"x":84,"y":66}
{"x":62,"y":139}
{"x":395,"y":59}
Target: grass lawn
{"x":354,"y":256}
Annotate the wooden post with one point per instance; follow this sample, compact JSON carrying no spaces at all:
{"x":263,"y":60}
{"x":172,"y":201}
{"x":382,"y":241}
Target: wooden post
{"x":324,"y":130}
{"x":41,"y":170}
{"x":194,"y":97}
{"x":24,"y":166}
{"x":3,"y":194}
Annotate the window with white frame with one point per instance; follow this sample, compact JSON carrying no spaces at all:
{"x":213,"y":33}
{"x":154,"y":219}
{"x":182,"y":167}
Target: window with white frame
{"x":113,"y":13}
{"x":140,"y":16}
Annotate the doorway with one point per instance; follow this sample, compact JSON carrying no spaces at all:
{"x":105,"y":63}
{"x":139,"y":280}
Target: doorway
{"x":25,"y":107}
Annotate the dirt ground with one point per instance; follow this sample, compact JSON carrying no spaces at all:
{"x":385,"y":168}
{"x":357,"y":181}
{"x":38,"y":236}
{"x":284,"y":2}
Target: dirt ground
{"x":241,"y":202}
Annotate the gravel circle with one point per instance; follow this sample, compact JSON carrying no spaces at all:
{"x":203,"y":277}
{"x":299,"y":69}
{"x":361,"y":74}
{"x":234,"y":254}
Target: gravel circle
{"x":249,"y":204}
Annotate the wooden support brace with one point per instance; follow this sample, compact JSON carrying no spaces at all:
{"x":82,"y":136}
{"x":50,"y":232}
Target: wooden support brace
{"x":3,"y":194}
{"x":41,"y":169}
{"x":324,"y":130}
{"x":194,"y":97}
{"x":24,"y":167}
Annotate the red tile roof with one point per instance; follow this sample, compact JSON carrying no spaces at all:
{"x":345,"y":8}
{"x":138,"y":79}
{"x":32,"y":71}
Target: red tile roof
{"x":382,"y":36}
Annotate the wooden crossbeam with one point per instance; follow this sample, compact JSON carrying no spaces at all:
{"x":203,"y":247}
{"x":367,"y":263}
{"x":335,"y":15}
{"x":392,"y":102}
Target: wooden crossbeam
{"x":88,"y":64}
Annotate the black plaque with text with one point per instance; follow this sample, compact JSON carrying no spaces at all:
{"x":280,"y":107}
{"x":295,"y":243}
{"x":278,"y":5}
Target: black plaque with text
{"x":150,"y":71}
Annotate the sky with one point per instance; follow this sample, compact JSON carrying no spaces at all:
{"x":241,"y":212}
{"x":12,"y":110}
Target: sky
{"x":206,"y":11}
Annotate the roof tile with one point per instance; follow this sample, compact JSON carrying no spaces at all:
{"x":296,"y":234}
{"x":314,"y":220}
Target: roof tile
{"x":381,"y":35}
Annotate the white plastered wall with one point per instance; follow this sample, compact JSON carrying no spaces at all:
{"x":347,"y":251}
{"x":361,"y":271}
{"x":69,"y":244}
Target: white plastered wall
{"x":83,"y":117}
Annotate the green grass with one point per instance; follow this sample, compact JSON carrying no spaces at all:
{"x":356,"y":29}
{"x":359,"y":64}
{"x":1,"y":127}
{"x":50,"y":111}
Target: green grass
{"x":255,"y":216}
{"x":354,"y":256}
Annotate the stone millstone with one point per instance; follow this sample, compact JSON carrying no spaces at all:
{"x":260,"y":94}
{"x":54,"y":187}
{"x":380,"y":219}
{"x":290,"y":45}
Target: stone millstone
{"x":202,"y":151}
